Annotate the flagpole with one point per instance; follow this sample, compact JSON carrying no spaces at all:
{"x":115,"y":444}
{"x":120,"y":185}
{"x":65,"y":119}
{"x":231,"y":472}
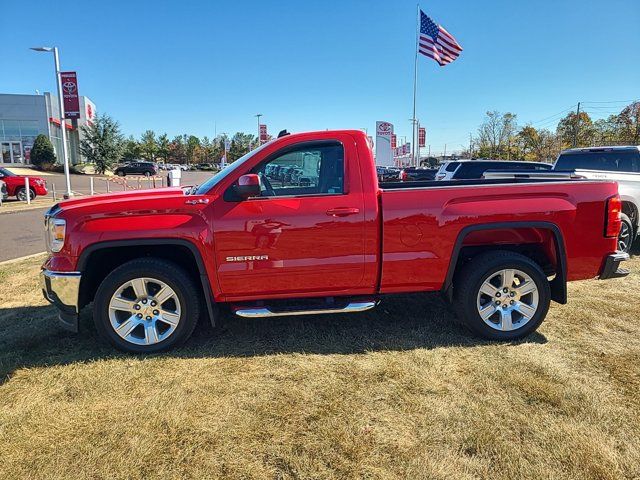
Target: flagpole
{"x":415,"y":85}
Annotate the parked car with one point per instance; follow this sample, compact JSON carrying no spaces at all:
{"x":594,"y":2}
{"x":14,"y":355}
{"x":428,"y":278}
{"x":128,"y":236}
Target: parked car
{"x":3,"y":191}
{"x":417,"y":173}
{"x":387,"y":174}
{"x":473,"y":169}
{"x":499,"y":251}
{"x":16,"y":185}
{"x":620,"y":164}
{"x":147,"y":169}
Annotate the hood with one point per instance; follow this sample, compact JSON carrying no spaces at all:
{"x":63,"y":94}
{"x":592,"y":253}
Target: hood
{"x":118,"y":200}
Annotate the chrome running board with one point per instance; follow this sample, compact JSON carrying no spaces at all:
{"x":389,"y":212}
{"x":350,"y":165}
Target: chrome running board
{"x":258,"y":312}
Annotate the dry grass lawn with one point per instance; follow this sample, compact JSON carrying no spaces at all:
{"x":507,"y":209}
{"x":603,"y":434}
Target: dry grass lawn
{"x":400,"y":392}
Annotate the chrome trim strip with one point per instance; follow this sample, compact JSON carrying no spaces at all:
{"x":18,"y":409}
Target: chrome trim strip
{"x":265,"y":312}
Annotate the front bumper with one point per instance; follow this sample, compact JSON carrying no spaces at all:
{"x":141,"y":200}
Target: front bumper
{"x":612,"y":267}
{"x":63,"y":290}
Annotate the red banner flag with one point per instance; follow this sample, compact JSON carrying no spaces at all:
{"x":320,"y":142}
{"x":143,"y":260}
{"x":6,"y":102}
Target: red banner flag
{"x":422,"y":137}
{"x":70,"y":94}
{"x":263,"y":134}
{"x":394,"y":141}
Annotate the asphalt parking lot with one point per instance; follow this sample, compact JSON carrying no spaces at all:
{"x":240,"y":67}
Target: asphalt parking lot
{"x":21,"y":232}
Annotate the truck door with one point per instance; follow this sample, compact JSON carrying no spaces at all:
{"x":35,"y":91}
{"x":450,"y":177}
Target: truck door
{"x":304,"y":234}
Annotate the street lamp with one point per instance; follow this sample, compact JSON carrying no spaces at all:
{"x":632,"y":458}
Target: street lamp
{"x":65,"y":153}
{"x":258,"y":117}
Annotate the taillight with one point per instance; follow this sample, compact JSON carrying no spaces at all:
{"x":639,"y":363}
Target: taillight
{"x":612,"y":221}
{"x":403,"y":175}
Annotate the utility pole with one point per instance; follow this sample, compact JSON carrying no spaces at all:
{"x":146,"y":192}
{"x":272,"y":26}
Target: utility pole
{"x":258,"y":115}
{"x":576,"y":127}
{"x":445,"y":151}
{"x":470,"y":146}
{"x":63,"y":132}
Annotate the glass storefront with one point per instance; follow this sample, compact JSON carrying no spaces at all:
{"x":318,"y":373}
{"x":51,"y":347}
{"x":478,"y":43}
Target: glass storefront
{"x":16,"y":140}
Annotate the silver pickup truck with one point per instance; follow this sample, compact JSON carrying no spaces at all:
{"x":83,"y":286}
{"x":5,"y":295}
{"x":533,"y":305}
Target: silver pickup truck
{"x":620,"y":164}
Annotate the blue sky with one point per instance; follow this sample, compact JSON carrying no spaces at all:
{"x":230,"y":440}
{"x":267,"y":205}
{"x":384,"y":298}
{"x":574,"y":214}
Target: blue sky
{"x":183,"y":67}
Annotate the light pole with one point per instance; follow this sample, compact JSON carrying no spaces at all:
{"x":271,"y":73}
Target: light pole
{"x":258,"y":115}
{"x":65,"y":153}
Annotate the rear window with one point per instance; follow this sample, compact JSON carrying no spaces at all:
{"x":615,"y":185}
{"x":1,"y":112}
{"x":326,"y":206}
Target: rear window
{"x":476,"y":169}
{"x":612,"y":160}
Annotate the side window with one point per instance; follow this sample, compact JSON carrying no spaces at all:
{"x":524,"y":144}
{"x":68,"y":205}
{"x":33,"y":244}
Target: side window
{"x":309,"y":169}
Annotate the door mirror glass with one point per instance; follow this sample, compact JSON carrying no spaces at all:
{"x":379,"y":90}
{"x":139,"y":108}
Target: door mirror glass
{"x":248,"y":186}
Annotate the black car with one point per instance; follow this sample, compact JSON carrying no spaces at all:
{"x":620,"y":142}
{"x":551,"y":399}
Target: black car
{"x":147,"y":169}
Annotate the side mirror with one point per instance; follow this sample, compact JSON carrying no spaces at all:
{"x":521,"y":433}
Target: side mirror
{"x":248,"y":186}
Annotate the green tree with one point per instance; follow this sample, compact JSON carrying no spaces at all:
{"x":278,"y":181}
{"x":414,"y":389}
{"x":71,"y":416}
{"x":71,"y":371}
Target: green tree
{"x":177,"y":150}
{"x":192,"y":148}
{"x":240,"y":145}
{"x":42,"y":152}
{"x":148,"y":145}
{"x":576,"y":130}
{"x":102,"y":143}
{"x":629,"y":124}
{"x":163,"y":147}
{"x":131,"y":150}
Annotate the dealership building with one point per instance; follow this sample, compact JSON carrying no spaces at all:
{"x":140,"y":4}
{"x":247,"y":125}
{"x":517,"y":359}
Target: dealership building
{"x":24,"y":117}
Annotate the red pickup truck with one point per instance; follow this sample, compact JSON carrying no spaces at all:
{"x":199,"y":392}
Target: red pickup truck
{"x":300,"y":226}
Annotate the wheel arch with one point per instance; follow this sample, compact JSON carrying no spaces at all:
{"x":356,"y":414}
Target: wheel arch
{"x":630,"y":209}
{"x":559,"y":283}
{"x":180,"y":251}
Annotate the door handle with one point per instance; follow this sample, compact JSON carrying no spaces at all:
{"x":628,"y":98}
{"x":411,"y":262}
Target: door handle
{"x":342,"y":211}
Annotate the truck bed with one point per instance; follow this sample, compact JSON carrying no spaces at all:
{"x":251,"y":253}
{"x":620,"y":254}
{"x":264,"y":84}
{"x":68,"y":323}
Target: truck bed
{"x":425,"y":222}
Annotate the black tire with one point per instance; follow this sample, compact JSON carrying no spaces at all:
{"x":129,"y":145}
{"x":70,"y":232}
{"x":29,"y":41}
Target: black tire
{"x":171,"y":274}
{"x":20,"y":192}
{"x":147,"y":174}
{"x":627,"y":234}
{"x":472,"y":276}
{"x":120,"y":173}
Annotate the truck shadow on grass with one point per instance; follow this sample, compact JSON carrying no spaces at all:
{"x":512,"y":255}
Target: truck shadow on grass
{"x":31,"y":337}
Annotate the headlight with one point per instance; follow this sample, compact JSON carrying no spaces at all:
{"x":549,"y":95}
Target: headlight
{"x":56,"y":230}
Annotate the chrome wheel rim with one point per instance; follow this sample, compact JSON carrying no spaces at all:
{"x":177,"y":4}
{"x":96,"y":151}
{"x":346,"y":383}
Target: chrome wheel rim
{"x":624,"y":237}
{"x":144,"y":311}
{"x":507,"y":300}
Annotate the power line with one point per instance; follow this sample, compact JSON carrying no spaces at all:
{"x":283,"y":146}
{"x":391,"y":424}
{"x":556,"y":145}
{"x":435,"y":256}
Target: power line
{"x":613,"y":101}
{"x":554,"y":115}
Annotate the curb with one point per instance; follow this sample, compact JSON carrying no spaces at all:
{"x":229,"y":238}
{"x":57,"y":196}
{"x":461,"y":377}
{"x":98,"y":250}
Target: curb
{"x":28,"y":209}
{"x":19,"y":259}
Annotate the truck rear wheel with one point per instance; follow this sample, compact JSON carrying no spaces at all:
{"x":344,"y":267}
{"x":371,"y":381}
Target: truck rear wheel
{"x":502,"y":295}
{"x":147,"y":305}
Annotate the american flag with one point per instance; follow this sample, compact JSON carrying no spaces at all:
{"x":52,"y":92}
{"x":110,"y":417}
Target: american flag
{"x":435,"y":42}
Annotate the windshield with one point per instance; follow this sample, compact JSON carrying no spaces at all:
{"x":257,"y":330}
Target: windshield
{"x":7,"y":173}
{"x":225,"y":172}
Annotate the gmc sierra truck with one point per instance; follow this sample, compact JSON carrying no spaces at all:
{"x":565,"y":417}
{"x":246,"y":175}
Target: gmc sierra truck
{"x":326,"y":240}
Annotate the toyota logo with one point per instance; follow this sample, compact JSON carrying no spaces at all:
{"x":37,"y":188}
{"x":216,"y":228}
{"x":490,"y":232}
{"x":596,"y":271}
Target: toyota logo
{"x":385,"y":127}
{"x":69,"y":87}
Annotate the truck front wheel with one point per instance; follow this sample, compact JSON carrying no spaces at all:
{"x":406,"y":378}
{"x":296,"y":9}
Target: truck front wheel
{"x":145,"y":306}
{"x":502,"y":295}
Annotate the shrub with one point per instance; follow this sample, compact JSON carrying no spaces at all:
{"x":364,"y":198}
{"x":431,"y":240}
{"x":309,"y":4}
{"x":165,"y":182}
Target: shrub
{"x":42,"y":152}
